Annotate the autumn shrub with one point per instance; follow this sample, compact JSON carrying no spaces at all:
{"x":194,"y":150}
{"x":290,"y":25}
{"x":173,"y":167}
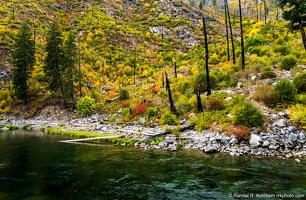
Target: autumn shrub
{"x":124,"y":94}
{"x":265,"y":51}
{"x":288,"y":62}
{"x":285,"y":91}
{"x":5,"y":100}
{"x":126,"y":114}
{"x":283,"y":50}
{"x":86,"y":105}
{"x":215,"y":104}
{"x":207,"y":119}
{"x":265,"y":93}
{"x":280,"y":41}
{"x":245,"y":113}
{"x":214,"y":59}
{"x":168,"y":118}
{"x":126,"y":104}
{"x":183,"y":104}
{"x":299,"y":81}
{"x":151,"y":112}
{"x":155,"y":89}
{"x":298,"y":114}
{"x":140,"y":109}
{"x":240,"y":132}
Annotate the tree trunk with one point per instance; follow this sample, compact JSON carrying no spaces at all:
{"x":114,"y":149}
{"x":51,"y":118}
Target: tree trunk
{"x":265,"y":11}
{"x":206,"y":59}
{"x":80,"y":74}
{"x":200,"y":107}
{"x":226,"y":26}
{"x":303,"y":34}
{"x":242,"y":41}
{"x":172,"y":106}
{"x":175,"y":70}
{"x":256,"y":5}
{"x":231,"y":31}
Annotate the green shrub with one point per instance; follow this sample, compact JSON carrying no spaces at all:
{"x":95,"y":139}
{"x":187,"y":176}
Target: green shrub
{"x":86,"y":105}
{"x":201,"y":79}
{"x":245,"y":113}
{"x":285,"y":91}
{"x":151,"y":112}
{"x":299,"y":81}
{"x":280,"y":41}
{"x":283,"y":50}
{"x":298,"y":114}
{"x":267,"y":72}
{"x":168,"y":118}
{"x":301,"y":99}
{"x":256,"y":50}
{"x":288,"y":62}
{"x":124,"y":94}
{"x":265,"y":51}
{"x":183,"y":104}
{"x":254,"y":40}
{"x":126,"y":114}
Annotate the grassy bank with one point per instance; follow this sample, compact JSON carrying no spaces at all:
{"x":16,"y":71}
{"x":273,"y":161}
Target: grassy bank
{"x":74,"y":133}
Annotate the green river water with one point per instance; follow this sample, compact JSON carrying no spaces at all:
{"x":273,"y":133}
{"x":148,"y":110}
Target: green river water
{"x":36,"y":166}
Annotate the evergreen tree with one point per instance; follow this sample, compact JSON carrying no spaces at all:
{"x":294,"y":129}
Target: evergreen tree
{"x":54,"y":59}
{"x":69,"y":70}
{"x":295,"y":12}
{"x":23,"y":60}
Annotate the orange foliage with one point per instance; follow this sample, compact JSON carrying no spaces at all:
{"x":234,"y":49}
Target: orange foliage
{"x":154,"y":89}
{"x":126,"y":104}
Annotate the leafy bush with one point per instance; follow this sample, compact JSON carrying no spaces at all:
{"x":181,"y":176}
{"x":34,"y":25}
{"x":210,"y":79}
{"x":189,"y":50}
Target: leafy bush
{"x":5,"y":100}
{"x":201,"y":79}
{"x":285,"y":91}
{"x":126,"y":114}
{"x":298,"y":114}
{"x":288,"y":62}
{"x":124,"y":94}
{"x":183,"y":104}
{"x":256,"y":50}
{"x":283,"y":50}
{"x":299,"y":81}
{"x":245,"y":113}
{"x":267,"y":73}
{"x":215,"y":104}
{"x":168,"y":118}
{"x":254,"y":40}
{"x":214,"y":58}
{"x":265,"y":94}
{"x":140,"y":109}
{"x":241,"y":132}
{"x":86,"y":105}
{"x":280,"y":41}
{"x":151,"y":112}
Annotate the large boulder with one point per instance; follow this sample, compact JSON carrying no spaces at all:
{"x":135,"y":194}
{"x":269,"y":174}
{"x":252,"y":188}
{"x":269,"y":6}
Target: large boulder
{"x":210,"y":149}
{"x":255,"y":140}
{"x":280,"y":123}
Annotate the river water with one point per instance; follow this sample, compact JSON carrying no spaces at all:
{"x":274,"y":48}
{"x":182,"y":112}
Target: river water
{"x":36,"y":166}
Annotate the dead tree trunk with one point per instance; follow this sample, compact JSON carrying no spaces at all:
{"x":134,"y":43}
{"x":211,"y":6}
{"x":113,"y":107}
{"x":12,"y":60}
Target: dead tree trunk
{"x":172,"y":106}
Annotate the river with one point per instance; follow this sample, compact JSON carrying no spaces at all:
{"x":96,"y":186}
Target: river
{"x":36,"y":166}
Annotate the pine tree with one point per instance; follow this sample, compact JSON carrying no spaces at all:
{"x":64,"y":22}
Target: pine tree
{"x":53,"y":61}
{"x":69,"y":71}
{"x":23,"y":61}
{"x":295,"y":12}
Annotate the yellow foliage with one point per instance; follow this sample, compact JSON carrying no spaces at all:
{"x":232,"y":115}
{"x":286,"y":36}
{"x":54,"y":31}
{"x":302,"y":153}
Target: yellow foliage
{"x":148,"y":34}
{"x":118,"y":1}
{"x":147,"y":5}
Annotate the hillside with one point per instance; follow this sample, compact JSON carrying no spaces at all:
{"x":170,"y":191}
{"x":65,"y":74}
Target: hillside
{"x":117,"y":39}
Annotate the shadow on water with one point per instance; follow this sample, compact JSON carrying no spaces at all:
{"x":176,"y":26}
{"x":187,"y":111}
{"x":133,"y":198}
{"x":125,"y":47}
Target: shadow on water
{"x":42,"y":168}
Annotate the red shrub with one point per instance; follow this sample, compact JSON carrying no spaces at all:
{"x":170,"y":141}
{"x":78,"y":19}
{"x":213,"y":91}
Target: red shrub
{"x":140,"y":109}
{"x":241,"y":132}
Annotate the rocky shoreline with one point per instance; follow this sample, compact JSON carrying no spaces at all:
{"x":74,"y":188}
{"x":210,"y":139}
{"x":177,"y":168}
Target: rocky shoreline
{"x":282,"y":140}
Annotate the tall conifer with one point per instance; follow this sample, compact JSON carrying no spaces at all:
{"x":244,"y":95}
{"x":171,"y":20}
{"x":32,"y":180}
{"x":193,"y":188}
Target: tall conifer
{"x":23,"y":60}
